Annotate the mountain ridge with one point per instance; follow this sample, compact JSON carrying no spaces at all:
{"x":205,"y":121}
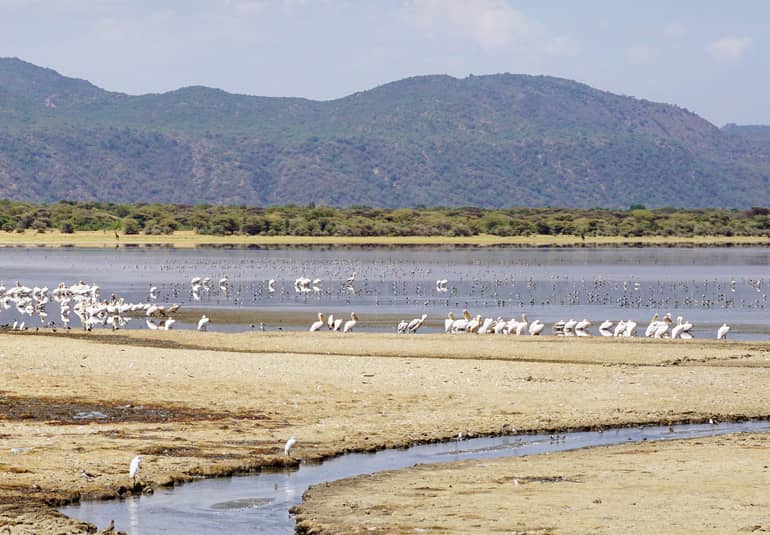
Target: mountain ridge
{"x":492,"y":141}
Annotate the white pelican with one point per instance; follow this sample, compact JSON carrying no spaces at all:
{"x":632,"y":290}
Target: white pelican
{"x":203,"y":323}
{"x":536,"y":328}
{"x":676,"y":331}
{"x":330,"y":321}
{"x":486,"y":327}
{"x":351,"y":322}
{"x":583,"y":325}
{"x":415,"y":324}
{"x":661,"y":331}
{"x":474,"y":324}
{"x":133,"y":468}
{"x":569,"y":326}
{"x":722,"y":332}
{"x":337,"y":325}
{"x":523,"y":325}
{"x":652,"y":327}
{"x":605,"y":329}
{"x":318,"y":324}
{"x":289,"y":445}
{"x":630,"y":329}
{"x":620,"y":328}
{"x":449,"y":321}
{"x":402,"y":326}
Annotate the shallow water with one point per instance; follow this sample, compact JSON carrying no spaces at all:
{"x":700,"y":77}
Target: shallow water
{"x":705,"y":285}
{"x":261,"y":502}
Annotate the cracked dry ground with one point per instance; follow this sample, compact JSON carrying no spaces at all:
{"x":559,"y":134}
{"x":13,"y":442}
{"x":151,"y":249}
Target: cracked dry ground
{"x":214,"y":403}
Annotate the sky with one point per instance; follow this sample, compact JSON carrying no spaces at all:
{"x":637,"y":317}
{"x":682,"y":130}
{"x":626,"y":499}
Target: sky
{"x":711,"y":57}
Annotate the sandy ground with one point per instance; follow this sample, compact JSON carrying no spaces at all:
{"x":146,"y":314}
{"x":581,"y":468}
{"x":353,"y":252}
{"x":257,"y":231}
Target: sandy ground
{"x":184,"y":238}
{"x":714,"y":485}
{"x":215,"y":403}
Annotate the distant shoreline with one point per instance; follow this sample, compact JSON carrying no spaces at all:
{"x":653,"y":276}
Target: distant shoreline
{"x":193,"y":239}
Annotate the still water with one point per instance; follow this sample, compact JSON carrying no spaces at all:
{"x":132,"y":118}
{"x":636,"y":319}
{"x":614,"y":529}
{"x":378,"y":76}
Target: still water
{"x":707,"y":286}
{"x":260,"y":503}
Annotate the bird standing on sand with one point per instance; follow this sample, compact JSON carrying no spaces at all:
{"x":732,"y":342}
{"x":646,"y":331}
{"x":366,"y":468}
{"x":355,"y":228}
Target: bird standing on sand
{"x":722,"y":332}
{"x":203,"y":323}
{"x":348,"y":327}
{"x":289,"y":445}
{"x":133,"y":470}
{"x":318,"y":324}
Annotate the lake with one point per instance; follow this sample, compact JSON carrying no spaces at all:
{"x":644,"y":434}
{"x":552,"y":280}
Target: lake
{"x":707,"y":286}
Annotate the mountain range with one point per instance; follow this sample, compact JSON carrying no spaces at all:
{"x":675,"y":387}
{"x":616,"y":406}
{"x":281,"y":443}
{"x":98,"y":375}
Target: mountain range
{"x":490,"y":141}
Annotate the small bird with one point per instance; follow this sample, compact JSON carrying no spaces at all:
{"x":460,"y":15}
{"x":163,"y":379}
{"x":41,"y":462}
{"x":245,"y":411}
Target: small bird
{"x":133,"y":470}
{"x":87,"y":475}
{"x":203,"y":323}
{"x":289,"y":445}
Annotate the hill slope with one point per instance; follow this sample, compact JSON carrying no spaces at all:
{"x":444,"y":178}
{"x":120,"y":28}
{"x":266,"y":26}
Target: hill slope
{"x":491,"y":141}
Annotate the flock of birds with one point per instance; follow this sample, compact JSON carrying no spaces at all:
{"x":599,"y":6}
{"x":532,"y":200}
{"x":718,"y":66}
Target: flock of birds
{"x":657,"y":328}
{"x":83,"y":300}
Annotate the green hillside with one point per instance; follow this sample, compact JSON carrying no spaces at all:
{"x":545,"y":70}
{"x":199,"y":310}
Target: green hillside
{"x":491,"y":141}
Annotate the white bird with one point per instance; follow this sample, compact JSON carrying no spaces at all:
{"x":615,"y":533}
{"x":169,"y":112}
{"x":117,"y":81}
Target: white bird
{"x":605,"y":328}
{"x":415,"y":324}
{"x":289,"y":445}
{"x":133,"y":469}
{"x":203,"y":323}
{"x":652,"y":326}
{"x":620,"y":328}
{"x":450,"y":319}
{"x":271,"y":285}
{"x":351,"y":322}
{"x":474,"y":324}
{"x":569,"y":326}
{"x":318,"y":324}
{"x":722,"y":332}
{"x":402,"y":326}
{"x":676,"y":331}
{"x":153,"y":292}
{"x":630,"y":329}
{"x":536,"y":327}
{"x":330,"y":321}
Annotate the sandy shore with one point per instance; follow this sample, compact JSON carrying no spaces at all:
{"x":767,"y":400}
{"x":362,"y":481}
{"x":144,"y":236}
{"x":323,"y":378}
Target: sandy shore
{"x":714,"y":485}
{"x":214,"y":403}
{"x":184,"y":238}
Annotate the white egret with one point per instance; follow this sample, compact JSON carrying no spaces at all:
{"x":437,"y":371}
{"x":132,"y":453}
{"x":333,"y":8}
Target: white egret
{"x":289,"y":445}
{"x":133,"y":469}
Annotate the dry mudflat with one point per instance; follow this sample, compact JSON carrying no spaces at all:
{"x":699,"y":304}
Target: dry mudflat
{"x":214,"y":404}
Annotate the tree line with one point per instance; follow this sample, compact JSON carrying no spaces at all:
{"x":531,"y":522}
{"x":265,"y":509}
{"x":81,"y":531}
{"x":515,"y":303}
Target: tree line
{"x":311,"y":220}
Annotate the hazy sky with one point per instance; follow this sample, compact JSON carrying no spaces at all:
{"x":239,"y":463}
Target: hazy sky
{"x":708,"y":56}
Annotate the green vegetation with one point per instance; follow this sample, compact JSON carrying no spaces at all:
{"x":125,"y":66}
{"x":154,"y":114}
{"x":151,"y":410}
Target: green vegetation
{"x":491,"y":141}
{"x":364,"y":221}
